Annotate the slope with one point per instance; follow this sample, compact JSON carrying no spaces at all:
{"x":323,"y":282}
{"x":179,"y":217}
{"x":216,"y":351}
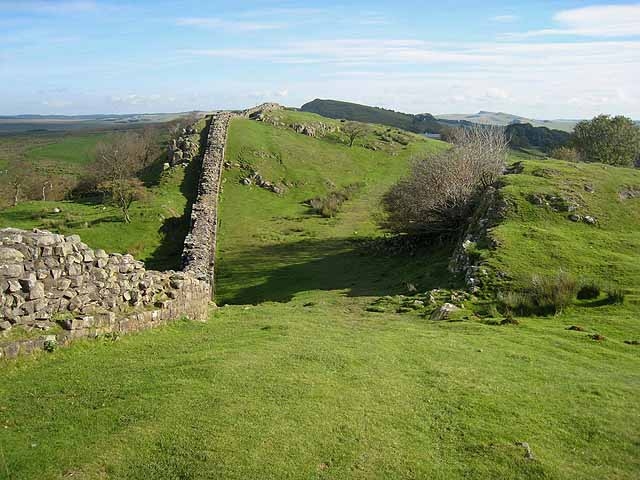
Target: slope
{"x":362,"y":113}
{"x":272,"y":246}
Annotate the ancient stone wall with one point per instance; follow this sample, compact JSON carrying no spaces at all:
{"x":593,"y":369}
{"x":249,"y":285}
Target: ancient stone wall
{"x":198,"y":256}
{"x":50,"y":282}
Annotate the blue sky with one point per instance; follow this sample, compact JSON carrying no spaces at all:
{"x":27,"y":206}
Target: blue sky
{"x":543,"y":59}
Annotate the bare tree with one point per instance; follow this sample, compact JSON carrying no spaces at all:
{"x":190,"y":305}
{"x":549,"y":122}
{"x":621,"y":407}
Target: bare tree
{"x":118,"y":160}
{"x":21,"y":176}
{"x":440,"y":193}
{"x":149,"y":140}
{"x":353,"y":131}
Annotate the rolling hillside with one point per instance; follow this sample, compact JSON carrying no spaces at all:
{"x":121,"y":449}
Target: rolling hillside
{"x":424,"y":123}
{"x":301,"y":374}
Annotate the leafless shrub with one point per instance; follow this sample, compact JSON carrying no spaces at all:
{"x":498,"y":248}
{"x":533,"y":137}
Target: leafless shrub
{"x":117,"y":161}
{"x":438,"y":196}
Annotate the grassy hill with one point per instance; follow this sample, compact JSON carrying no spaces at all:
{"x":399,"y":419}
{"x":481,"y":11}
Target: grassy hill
{"x":362,"y":113}
{"x":608,"y":252}
{"x":296,"y":376}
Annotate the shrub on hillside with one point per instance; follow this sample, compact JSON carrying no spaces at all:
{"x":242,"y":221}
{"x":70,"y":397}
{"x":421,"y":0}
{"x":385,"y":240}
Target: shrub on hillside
{"x":588,"y":291}
{"x":543,"y":295}
{"x":565,"y":153}
{"x":329,"y":205}
{"x":438,"y":196}
{"x":605,"y":139}
{"x":615,"y":296}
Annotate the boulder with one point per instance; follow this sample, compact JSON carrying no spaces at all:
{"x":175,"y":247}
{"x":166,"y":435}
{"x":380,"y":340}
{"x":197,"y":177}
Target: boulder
{"x":10,"y":255}
{"x":444,"y":312}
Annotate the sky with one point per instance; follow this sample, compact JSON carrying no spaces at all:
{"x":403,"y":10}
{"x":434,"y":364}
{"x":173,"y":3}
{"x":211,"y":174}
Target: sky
{"x":541,"y":59}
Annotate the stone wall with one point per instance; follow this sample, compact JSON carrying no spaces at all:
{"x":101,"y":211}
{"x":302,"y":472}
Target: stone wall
{"x":50,"y":282}
{"x":199,"y":253}
{"x":198,"y":256}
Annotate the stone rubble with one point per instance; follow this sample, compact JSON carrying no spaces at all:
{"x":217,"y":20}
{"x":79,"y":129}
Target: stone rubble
{"x":48,"y":279}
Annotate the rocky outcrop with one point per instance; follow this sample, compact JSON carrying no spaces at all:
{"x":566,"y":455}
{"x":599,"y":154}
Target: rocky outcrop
{"x":198,"y":256}
{"x":48,"y":281}
{"x":184,"y":148}
{"x":256,"y":112}
{"x":490,"y":211}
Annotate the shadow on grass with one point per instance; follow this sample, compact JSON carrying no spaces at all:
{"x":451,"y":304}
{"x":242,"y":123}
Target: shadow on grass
{"x":278,"y":272}
{"x":168,"y":255}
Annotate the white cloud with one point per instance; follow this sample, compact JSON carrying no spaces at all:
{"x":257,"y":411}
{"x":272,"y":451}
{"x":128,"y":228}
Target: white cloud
{"x":413,"y":53}
{"x":233,"y":25}
{"x":504,"y":18}
{"x":134,"y":99}
{"x":596,"y":21}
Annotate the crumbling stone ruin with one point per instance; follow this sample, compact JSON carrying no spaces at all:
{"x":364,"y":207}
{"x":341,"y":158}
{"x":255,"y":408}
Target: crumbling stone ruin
{"x":50,"y":282}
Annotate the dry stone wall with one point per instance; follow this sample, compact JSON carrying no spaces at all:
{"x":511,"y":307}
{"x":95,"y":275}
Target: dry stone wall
{"x":199,"y":252}
{"x":50,"y":282}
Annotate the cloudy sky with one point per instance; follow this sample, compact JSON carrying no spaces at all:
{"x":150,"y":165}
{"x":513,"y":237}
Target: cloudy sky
{"x":542,"y":59}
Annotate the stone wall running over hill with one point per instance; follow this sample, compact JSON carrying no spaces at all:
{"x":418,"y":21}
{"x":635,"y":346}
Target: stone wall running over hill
{"x":199,"y":252}
{"x":198,"y":256}
{"x":48,"y":282}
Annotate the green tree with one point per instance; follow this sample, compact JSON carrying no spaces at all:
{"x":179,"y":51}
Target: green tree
{"x":606,"y":139}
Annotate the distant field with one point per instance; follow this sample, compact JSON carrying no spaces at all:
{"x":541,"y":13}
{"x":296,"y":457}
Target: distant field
{"x":503,"y":119}
{"x":37,"y":124}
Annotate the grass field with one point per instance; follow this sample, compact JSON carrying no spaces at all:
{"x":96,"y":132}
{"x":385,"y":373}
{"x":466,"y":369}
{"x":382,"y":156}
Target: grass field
{"x":54,"y":152}
{"x":608,"y":253}
{"x":293,"y":378}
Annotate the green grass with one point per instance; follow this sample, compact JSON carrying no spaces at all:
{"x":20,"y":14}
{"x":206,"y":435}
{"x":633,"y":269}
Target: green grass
{"x":307,"y":383}
{"x":608,"y":253}
{"x":65,"y":154}
{"x":271,"y":247}
{"x":72,"y":149}
{"x":329,"y":391}
{"x":159,"y":224}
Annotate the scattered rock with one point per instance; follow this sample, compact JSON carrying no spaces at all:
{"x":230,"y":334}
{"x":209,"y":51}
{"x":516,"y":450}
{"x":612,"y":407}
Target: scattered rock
{"x":628,"y":342}
{"x":575,"y":218}
{"x":629,"y":193}
{"x":588,"y":219}
{"x":576,"y":328}
{"x":514,"y":169}
{"x":444,"y":312}
{"x":528,"y":454}
{"x":597,"y":337}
